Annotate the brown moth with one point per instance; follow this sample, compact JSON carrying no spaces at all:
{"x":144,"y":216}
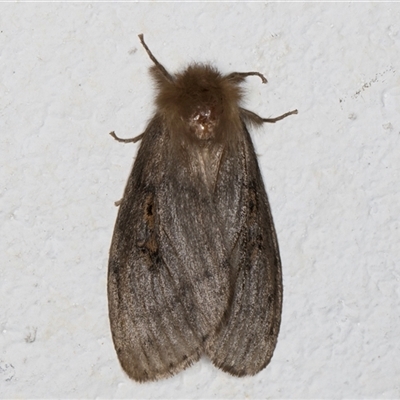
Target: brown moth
{"x":194,"y":262}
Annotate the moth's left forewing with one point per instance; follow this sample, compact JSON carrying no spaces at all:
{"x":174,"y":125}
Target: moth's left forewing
{"x":154,"y":336}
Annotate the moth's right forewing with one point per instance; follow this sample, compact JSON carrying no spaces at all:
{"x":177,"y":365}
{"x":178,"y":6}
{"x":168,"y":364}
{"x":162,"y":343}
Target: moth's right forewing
{"x":247,"y":338}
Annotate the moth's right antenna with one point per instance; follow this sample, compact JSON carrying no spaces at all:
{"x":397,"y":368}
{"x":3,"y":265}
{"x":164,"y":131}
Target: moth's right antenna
{"x":158,"y":65}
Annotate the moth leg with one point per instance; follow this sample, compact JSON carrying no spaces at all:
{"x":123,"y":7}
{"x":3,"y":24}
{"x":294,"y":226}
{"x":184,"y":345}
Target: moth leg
{"x":131,"y":140}
{"x":257,"y":120}
{"x":240,"y":76}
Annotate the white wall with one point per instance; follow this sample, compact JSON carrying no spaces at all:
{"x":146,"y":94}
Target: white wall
{"x":72,"y":72}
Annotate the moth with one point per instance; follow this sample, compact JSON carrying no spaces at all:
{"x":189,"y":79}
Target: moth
{"x":194,"y":263}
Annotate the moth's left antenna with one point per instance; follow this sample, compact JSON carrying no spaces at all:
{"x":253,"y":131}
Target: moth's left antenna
{"x":155,"y":61}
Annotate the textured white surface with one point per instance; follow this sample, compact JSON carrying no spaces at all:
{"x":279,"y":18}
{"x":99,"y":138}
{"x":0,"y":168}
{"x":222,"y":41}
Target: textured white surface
{"x":71,"y":73}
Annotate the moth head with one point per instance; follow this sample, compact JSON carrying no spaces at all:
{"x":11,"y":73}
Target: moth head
{"x":202,"y":120}
{"x":199,"y":103}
